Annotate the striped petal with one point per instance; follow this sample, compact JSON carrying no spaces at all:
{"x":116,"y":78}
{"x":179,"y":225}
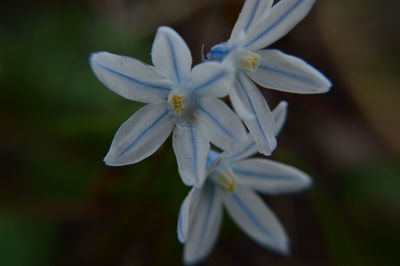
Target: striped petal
{"x":129,"y":77}
{"x":280,"y":115}
{"x":191,"y":149}
{"x":171,"y":56}
{"x":247,"y":149}
{"x":252,"y":10}
{"x":211,"y":79}
{"x":282,"y":18}
{"x":262,"y":126}
{"x":256,"y":219}
{"x":271,"y":177}
{"x":288,"y":73}
{"x":141,"y":135}
{"x":186,"y":213}
{"x":223,"y":128}
{"x":205,"y":224}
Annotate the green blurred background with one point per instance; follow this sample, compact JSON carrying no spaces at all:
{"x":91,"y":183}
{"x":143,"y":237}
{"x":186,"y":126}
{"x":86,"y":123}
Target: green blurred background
{"x":60,"y":205}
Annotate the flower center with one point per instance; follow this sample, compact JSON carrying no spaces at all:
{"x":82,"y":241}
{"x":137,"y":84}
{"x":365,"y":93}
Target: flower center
{"x":224,"y":176}
{"x":249,"y":61}
{"x":182,"y":103}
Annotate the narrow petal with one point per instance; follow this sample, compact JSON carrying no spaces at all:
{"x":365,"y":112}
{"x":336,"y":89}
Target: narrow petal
{"x":129,"y":77}
{"x":271,"y":177}
{"x":191,"y":149}
{"x":288,"y":73}
{"x":247,"y":149}
{"x":280,"y":115}
{"x":211,"y":79}
{"x":186,"y":213}
{"x":141,"y":135}
{"x":262,"y":126}
{"x":223,"y":128}
{"x":256,"y":219}
{"x":252,"y":10}
{"x":204,"y":226}
{"x":282,"y":18}
{"x":171,"y":56}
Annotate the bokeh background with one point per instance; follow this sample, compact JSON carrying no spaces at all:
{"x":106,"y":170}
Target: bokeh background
{"x":60,"y":205}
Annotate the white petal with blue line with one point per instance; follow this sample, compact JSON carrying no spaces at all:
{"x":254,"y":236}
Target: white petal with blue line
{"x":171,"y":56}
{"x":223,"y":128}
{"x":186,"y":213}
{"x":288,"y":73}
{"x":205,"y":225}
{"x":271,"y":177}
{"x":191,"y":148}
{"x":141,"y":135}
{"x":282,"y":18}
{"x":256,"y":219}
{"x":130,"y":78}
{"x":262,"y":126}
{"x":280,"y":115}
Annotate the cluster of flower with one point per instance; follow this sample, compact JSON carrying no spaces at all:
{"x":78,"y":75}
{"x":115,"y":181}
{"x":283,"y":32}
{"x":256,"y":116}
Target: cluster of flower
{"x":185,"y":100}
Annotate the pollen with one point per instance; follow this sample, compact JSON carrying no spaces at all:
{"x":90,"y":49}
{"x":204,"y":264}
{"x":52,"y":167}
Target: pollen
{"x":249,"y":61}
{"x":227,"y":180}
{"x":177,"y":103}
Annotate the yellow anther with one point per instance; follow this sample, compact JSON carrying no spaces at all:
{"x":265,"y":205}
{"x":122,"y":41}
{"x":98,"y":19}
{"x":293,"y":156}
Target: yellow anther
{"x":249,"y":61}
{"x":227,"y":180}
{"x":177,"y":103}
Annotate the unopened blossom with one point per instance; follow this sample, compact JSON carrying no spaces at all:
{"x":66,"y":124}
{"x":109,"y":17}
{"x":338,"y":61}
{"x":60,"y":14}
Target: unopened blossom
{"x":232,"y":183}
{"x":178,"y":98}
{"x":261,"y":23}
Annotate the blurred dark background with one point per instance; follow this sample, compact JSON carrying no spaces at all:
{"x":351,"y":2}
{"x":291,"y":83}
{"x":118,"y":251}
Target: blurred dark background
{"x":59,"y":205}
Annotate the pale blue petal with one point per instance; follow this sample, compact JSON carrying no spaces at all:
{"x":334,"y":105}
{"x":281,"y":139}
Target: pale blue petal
{"x":282,"y":18}
{"x":280,"y":115}
{"x":191,"y":149}
{"x":186,"y":213}
{"x":247,"y":149}
{"x":288,"y":73}
{"x":271,"y":177}
{"x":129,"y":77}
{"x":256,"y":219}
{"x":221,"y":125}
{"x":252,"y":10}
{"x":205,"y":224}
{"x":171,"y":56}
{"x":262,"y":126}
{"x":141,"y":135}
{"x":211,"y":79}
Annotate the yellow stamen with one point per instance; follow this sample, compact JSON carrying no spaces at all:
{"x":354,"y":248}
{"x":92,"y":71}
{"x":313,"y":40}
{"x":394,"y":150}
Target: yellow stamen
{"x":227,"y":180}
{"x":249,"y":61}
{"x":177,"y":103}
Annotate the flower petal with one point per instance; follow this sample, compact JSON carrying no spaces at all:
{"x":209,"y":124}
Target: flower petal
{"x":256,"y":219}
{"x":288,"y":73}
{"x":251,"y":11}
{"x":211,"y":79}
{"x":129,"y":77}
{"x":261,"y":127}
{"x":282,"y":18}
{"x":280,"y":115}
{"x":223,"y":128}
{"x":171,"y":56}
{"x":271,"y":177}
{"x":191,"y":149}
{"x":186,"y":213}
{"x":247,"y":149}
{"x":141,"y":135}
{"x":205,"y":225}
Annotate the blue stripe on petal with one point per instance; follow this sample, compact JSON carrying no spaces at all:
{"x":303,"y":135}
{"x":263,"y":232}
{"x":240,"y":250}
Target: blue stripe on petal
{"x":212,"y":80}
{"x":251,"y":216}
{"x":244,"y":174}
{"x":288,"y":75}
{"x":254,"y":112}
{"x":141,"y":135}
{"x":276,"y":23}
{"x":217,"y":123}
{"x":207,"y":217}
{"x":246,"y":149}
{"x":253,"y":12}
{"x":173,"y":57}
{"x":138,"y":82}
{"x":194,"y":162}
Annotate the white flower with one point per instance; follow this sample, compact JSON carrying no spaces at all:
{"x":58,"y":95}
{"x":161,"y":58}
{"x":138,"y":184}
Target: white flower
{"x":260,"y":24}
{"x":232,"y":182}
{"x":179,"y":98}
